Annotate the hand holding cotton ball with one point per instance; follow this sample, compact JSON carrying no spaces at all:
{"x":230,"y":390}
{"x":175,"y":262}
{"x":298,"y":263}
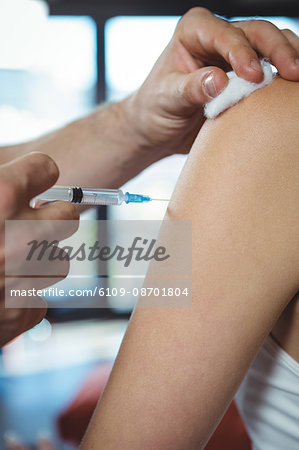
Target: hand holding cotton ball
{"x":237,"y":89}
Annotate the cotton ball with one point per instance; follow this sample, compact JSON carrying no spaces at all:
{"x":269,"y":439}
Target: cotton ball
{"x":237,"y":89}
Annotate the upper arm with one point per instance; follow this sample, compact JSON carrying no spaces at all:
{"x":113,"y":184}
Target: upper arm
{"x":240,"y":188}
{"x":179,"y":368}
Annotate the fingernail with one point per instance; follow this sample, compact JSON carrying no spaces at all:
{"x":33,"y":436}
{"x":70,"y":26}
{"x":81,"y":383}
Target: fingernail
{"x":297,"y":61}
{"x":255,"y":65}
{"x":209,"y":86}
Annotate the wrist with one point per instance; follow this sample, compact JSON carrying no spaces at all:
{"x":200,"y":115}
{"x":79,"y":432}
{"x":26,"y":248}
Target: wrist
{"x":114,"y":127}
{"x":136,"y":122}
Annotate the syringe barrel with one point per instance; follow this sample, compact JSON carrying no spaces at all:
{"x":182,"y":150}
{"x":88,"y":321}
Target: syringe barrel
{"x":83,"y":196}
{"x":102,"y":196}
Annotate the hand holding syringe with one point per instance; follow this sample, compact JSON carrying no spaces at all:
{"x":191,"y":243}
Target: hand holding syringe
{"x":86,"y":196}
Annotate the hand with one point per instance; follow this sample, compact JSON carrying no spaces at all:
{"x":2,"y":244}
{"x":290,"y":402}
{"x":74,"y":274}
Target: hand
{"x":20,"y":181}
{"x":167,"y":110}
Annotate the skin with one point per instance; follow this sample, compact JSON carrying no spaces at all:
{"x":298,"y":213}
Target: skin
{"x":145,"y":127}
{"x":178,"y":369}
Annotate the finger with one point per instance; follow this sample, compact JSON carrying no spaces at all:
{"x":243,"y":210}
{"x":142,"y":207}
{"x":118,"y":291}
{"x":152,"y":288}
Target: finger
{"x":30,"y":317}
{"x":13,"y":286}
{"x":270,"y":42}
{"x":54,"y":221}
{"x":52,"y":224}
{"x":293,"y":39}
{"x":21,"y":304}
{"x":43,"y":264}
{"x":208,"y":37}
{"x":57,"y":211}
{"x":26,"y":319}
{"x":60,"y":220}
{"x":25,"y":177}
{"x":16,"y":320}
{"x":200,"y":87}
{"x":33,"y":316}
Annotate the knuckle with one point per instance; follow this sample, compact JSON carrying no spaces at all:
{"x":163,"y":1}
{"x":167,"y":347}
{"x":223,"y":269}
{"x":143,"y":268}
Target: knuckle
{"x":261,"y":23}
{"x":261,"y":26}
{"x":239,"y":33}
{"x":239,"y":48}
{"x":288,"y":32}
{"x":199,"y":10}
{"x":229,"y":37}
{"x":195,"y":11}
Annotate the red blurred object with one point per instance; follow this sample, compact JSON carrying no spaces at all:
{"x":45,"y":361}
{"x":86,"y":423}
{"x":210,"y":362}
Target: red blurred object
{"x":231,"y":433}
{"x":73,"y":421}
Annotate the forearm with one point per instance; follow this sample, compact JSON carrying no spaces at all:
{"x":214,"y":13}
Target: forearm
{"x":103,"y":149}
{"x":178,"y":369}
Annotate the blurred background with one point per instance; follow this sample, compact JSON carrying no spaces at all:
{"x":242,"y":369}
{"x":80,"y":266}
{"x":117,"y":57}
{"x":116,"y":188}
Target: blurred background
{"x":58,"y":60}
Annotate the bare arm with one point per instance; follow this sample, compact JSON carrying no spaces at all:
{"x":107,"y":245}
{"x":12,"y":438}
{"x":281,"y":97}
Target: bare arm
{"x":102,"y":149}
{"x":178,"y":369}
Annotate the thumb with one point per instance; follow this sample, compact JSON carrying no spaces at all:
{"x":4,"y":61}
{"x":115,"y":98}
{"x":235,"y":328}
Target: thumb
{"x":200,"y":87}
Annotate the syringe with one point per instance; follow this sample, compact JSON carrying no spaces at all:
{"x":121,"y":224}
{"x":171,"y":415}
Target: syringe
{"x":86,"y":196}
